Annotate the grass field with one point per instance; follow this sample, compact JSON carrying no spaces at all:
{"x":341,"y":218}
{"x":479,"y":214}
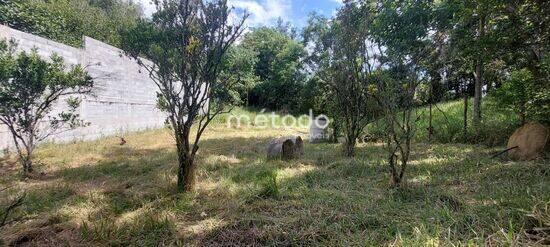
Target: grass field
{"x":100,"y":193}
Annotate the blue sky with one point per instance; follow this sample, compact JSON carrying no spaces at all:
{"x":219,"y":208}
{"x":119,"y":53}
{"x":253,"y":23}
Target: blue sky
{"x":266,"y":12}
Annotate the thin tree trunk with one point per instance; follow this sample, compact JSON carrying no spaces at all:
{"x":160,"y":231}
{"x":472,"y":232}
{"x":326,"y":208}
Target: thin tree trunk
{"x":395,"y":181}
{"x":335,"y":131}
{"x":430,"y":101}
{"x":465,"y":123}
{"x":430,"y":127}
{"x":478,"y":95}
{"x":349,"y":147}
{"x":28,"y":167}
{"x":479,"y":81}
{"x":28,"y":161}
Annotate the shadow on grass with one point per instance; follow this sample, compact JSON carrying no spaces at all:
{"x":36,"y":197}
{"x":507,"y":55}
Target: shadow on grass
{"x":453,"y":194}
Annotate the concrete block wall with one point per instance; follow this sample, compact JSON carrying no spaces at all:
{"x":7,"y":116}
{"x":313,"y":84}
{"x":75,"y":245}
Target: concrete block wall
{"x":124,"y":99}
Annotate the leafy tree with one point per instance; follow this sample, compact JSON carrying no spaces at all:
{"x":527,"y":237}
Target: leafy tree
{"x":278,"y":67}
{"x":515,"y":92}
{"x":408,"y":46}
{"x":346,"y":65}
{"x":238,"y":69}
{"x":318,"y":94}
{"x":522,"y":94}
{"x":185,"y":43}
{"x":395,"y":94}
{"x":29,"y":88}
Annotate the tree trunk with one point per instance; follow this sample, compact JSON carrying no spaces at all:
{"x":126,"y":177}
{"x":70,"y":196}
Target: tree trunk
{"x":186,"y":164}
{"x":335,"y":131}
{"x":465,"y":124}
{"x":430,"y":127}
{"x":478,"y":95}
{"x":479,"y":80}
{"x":393,"y":171}
{"x":349,"y":147}
{"x":186,"y":173}
{"x":27,"y":166}
{"x":395,"y":181}
{"x":398,"y":176}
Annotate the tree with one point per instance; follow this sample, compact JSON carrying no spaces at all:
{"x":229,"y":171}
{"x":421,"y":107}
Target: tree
{"x":348,"y":64}
{"x":238,"y":69}
{"x":185,"y":43}
{"x":472,"y":38}
{"x":279,"y":65}
{"x":408,"y":46}
{"x":521,"y":94}
{"x":395,"y":94}
{"x":29,"y":89}
{"x":318,"y":93}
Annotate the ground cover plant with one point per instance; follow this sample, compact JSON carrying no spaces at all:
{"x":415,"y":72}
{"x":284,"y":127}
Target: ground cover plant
{"x":101,"y":193}
{"x":422,"y":96}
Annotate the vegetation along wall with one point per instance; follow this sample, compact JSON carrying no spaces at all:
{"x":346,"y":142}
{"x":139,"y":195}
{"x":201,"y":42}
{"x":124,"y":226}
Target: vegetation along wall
{"x":124,"y":97}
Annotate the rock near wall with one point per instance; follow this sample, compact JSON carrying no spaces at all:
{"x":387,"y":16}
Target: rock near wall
{"x":124,"y":98}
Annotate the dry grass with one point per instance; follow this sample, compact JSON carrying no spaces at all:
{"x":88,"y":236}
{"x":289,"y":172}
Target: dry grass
{"x":100,"y":193}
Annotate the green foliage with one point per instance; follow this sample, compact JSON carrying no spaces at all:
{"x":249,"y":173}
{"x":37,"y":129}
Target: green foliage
{"x":67,"y":21}
{"x":278,"y":68}
{"x":522,"y":94}
{"x":33,"y":18}
{"x":239,"y":69}
{"x":29,"y":89}
{"x":186,"y":43}
{"x":447,"y":121}
{"x":269,"y":187}
{"x":515,"y":93}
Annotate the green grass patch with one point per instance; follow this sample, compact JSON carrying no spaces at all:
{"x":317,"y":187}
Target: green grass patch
{"x":109,"y":195}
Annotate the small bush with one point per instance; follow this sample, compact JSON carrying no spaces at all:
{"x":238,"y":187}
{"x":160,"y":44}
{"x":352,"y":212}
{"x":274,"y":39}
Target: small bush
{"x":269,"y":188}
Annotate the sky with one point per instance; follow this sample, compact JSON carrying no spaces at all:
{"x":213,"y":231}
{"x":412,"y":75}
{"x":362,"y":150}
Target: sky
{"x":266,"y":12}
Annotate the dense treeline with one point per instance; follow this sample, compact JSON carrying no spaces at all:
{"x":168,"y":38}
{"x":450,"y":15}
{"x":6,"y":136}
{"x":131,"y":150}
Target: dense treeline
{"x":486,"y":50}
{"x":67,"y":21}
{"x":493,"y":50}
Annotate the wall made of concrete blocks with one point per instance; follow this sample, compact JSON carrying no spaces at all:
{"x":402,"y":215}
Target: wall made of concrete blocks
{"x":124,"y":98}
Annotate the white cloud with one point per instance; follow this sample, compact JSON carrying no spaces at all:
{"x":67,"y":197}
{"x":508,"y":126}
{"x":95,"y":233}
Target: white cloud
{"x":263,"y":12}
{"x":148,"y":7}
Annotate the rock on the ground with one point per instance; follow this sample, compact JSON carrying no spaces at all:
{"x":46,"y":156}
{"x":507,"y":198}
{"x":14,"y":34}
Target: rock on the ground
{"x":532,"y":141}
{"x":285,"y":148}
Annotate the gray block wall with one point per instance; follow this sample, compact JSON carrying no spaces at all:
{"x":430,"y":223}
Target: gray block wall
{"x":124,"y":98}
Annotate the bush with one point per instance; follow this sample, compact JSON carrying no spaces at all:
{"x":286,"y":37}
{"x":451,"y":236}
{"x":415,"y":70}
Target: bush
{"x":269,"y":188}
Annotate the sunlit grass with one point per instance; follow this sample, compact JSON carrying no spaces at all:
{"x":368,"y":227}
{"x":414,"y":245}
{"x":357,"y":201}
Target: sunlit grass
{"x":100,"y":193}
{"x":448,"y":121}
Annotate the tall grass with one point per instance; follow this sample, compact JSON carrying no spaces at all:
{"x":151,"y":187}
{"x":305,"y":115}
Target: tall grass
{"x":103,"y":194}
{"x":448,"y":121}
